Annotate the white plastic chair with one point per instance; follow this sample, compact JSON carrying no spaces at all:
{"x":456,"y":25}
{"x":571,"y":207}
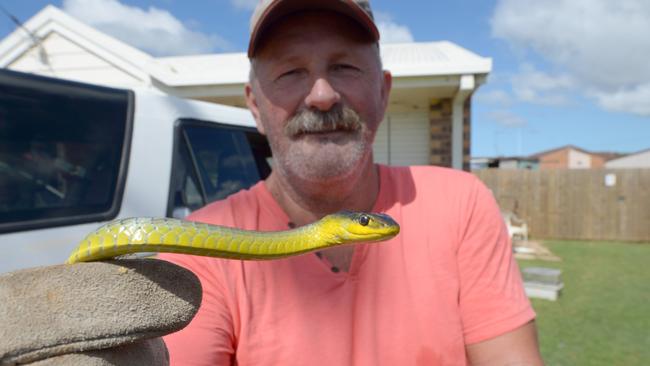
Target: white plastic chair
{"x":517,"y":228}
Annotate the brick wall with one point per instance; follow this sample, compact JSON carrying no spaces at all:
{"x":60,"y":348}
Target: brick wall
{"x":597,"y":161}
{"x":440,"y":120}
{"x":555,"y":160}
{"x":560,"y":159}
{"x":467,"y":133}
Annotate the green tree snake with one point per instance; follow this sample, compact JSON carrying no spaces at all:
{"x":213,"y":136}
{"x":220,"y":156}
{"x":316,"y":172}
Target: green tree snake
{"x":135,"y":235}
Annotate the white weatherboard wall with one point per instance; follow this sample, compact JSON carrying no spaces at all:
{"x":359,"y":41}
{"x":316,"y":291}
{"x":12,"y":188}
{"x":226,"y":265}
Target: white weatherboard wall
{"x":579,"y":160}
{"x":408,"y":140}
{"x":67,"y":60}
{"x":381,"y":149}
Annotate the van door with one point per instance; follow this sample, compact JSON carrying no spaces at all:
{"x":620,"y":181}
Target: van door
{"x":213,"y":161}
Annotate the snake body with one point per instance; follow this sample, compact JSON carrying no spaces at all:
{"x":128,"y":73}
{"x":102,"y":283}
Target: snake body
{"x":133,"y":235}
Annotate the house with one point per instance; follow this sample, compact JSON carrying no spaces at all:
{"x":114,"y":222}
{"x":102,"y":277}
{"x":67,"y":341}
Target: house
{"x":429,"y":113}
{"x":570,"y":157}
{"x":564,"y":157}
{"x":504,"y":162}
{"x":637,"y":160}
{"x":518,"y":162}
{"x":478,"y":163}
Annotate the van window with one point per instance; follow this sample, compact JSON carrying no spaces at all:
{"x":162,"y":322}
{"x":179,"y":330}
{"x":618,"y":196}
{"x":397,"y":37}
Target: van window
{"x":61,"y":147}
{"x":212,"y":162}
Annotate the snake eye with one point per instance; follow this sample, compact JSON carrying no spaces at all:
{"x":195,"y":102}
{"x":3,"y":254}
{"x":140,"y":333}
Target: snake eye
{"x":364,"y":220}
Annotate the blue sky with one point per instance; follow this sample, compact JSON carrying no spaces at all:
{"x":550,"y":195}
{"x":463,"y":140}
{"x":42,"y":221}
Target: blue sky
{"x":564,"y":71}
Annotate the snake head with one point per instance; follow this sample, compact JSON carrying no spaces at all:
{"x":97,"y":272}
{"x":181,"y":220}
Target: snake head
{"x":352,"y":227}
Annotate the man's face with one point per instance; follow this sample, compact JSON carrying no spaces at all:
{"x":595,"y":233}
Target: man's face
{"x":319,"y":94}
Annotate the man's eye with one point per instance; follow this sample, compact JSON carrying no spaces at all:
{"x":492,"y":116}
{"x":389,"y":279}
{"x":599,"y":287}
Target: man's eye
{"x":292,"y":72}
{"x":344,"y":67}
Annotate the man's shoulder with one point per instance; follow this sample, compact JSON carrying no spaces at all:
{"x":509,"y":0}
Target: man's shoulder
{"x":429,"y":188}
{"x":432,"y":177}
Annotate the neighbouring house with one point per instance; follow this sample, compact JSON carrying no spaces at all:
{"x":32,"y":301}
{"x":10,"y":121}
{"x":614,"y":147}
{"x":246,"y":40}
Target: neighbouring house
{"x":637,"y":160}
{"x":518,"y":162}
{"x":429,"y":114}
{"x":571,"y":157}
{"x":478,"y":163}
{"x":504,"y":162}
{"x":565,"y":157}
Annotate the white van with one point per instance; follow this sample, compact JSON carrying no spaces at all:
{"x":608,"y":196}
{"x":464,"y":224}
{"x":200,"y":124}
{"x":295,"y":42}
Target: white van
{"x":74,"y":156}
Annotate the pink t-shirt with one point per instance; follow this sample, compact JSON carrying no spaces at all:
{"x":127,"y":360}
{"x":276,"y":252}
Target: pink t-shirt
{"x":447,"y":280}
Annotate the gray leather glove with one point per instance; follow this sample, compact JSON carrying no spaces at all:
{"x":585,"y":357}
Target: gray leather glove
{"x":98,"y":313}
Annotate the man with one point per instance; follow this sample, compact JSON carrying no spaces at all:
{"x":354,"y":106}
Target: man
{"x":444,"y":292}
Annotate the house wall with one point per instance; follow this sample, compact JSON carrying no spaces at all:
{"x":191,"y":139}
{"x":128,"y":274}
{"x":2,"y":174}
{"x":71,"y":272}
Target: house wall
{"x":67,"y":60}
{"x":403,"y":139}
{"x":509,"y":164}
{"x":597,"y":161}
{"x":570,"y":159}
{"x":421,"y":136}
{"x":467,"y":133}
{"x":578,"y":160}
{"x":554,"y":160}
{"x":440,"y":124}
{"x":528,"y":164}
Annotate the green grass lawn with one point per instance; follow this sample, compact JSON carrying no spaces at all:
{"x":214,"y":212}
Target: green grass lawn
{"x":603,"y":314}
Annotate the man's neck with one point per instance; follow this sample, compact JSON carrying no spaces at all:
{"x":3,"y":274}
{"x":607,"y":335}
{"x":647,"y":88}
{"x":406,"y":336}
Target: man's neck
{"x":309,"y":202}
{"x":306,"y":203}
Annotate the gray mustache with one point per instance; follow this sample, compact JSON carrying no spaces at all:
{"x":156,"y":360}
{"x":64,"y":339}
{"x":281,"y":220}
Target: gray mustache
{"x":312,"y":121}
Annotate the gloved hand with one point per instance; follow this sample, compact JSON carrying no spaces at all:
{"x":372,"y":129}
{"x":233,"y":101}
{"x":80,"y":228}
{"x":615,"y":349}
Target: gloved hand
{"x":98,"y":313}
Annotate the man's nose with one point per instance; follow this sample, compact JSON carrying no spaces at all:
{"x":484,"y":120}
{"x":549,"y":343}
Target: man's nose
{"x":322,"y":95}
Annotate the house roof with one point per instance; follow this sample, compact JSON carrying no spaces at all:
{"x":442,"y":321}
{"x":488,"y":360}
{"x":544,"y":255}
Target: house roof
{"x":405,"y":60}
{"x":607,"y":155}
{"x":565,"y":147}
{"x":630,"y":155}
{"x":402,"y":59}
{"x":636,"y":160}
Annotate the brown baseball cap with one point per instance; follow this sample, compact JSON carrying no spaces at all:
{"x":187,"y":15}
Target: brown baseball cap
{"x":269,"y":11}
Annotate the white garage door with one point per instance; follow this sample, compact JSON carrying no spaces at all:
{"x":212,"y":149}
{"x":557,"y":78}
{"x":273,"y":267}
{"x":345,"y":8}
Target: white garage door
{"x":403,"y":139}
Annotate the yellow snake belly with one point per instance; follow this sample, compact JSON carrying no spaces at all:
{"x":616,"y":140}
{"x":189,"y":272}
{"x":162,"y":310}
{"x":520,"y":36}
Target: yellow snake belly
{"x":135,"y":235}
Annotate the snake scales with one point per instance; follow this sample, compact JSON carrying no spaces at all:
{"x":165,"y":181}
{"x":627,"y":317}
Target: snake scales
{"x":135,"y":235}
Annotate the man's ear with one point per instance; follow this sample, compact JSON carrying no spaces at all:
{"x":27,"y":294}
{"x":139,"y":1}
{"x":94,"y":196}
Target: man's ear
{"x":251,"y":103}
{"x":386,"y":87}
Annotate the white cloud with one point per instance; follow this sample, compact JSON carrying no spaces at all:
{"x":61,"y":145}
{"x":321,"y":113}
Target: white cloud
{"x":603,"y":44}
{"x":534,"y":86}
{"x":390,"y":31}
{"x":152,"y":30}
{"x":498,"y":97}
{"x":245,"y":4}
{"x":636,"y":100}
{"x":506,"y":118}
